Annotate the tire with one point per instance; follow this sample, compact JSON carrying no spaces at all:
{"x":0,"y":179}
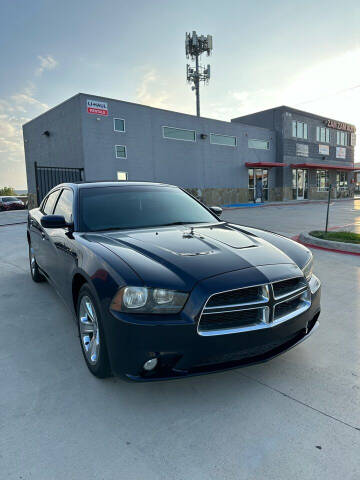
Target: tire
{"x":91,"y":333}
{"x":34,"y":269}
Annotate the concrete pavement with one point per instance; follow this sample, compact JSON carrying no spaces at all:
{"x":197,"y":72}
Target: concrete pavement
{"x":297,"y":416}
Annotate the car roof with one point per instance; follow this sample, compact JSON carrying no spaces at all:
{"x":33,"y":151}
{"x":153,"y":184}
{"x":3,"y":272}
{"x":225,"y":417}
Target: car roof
{"x":80,"y":185}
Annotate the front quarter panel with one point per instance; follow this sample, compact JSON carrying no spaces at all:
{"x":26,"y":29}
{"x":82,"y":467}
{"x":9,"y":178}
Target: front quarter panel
{"x":102,"y":269}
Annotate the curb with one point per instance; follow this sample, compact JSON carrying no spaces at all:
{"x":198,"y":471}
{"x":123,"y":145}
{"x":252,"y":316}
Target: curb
{"x":285,"y":204}
{"x":328,"y":245}
{"x":10,"y":224}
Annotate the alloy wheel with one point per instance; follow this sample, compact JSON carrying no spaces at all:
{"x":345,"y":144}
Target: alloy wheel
{"x":32,"y":262}
{"x":89,"y":330}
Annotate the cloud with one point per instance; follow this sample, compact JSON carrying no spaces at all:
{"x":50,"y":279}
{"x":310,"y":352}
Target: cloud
{"x":22,"y":100}
{"x":328,"y":87}
{"x":150,"y":92}
{"x":15,"y":110}
{"x":46,"y":63}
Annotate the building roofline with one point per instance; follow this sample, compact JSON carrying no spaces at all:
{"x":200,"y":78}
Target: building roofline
{"x":82,"y":94}
{"x":163,"y":109}
{"x":52,"y":108}
{"x":296,"y":110}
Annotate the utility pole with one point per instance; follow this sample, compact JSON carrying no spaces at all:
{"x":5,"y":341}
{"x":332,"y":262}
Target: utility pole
{"x":194,"y":46}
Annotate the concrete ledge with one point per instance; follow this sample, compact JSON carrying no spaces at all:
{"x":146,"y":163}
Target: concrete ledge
{"x":341,"y":247}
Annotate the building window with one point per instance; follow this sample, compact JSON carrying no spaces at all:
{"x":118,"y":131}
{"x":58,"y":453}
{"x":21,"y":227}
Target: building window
{"x":341,"y":181}
{"x":121,"y":176}
{"x":299,"y":129}
{"x":342,"y":138}
{"x":119,"y":125}
{"x":322,"y":180}
{"x":222,"y":140}
{"x":323,"y":134}
{"x":259,"y":144}
{"x":179,"y":134}
{"x":120,"y":151}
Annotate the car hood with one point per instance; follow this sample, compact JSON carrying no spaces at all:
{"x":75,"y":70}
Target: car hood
{"x":179,"y":257}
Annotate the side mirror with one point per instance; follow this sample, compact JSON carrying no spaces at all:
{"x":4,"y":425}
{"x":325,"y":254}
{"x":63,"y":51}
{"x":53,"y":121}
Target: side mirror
{"x":54,"y":221}
{"x":216,"y":210}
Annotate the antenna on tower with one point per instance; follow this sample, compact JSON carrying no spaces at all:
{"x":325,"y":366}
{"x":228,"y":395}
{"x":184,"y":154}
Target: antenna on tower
{"x":195,"y":45}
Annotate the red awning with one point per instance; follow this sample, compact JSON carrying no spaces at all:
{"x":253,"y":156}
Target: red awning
{"x":321,"y":166}
{"x":265,"y":164}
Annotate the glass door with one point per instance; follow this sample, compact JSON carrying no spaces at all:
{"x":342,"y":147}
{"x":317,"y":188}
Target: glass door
{"x":258,"y":184}
{"x":300,"y":184}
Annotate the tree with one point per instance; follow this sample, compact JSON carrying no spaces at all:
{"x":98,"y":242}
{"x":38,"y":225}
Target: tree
{"x":7,"y":191}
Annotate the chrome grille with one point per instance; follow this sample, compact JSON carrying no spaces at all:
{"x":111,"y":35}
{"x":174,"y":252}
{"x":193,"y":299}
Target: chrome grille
{"x":255,"y":307}
{"x":241,"y":296}
{"x":288,"y":287}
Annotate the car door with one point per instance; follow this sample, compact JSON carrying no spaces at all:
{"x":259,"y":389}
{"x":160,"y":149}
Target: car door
{"x":45,"y":251}
{"x":66,"y":246}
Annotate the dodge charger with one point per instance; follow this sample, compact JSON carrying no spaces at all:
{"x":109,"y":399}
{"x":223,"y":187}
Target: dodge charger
{"x":162,"y":288}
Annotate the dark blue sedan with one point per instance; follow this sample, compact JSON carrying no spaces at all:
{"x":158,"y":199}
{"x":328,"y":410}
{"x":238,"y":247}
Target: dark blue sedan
{"x":162,"y":288}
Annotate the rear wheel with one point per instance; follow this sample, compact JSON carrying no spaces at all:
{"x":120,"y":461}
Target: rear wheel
{"x":34,"y":269}
{"x":91,"y":334}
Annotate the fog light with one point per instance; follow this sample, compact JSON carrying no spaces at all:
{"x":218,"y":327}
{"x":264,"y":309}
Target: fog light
{"x":150,"y":364}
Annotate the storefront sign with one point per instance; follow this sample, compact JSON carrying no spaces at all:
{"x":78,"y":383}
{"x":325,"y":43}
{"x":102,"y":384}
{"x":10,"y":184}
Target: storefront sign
{"x":302,"y":150}
{"x":97,"y":108}
{"x":340,"y":126}
{"x":340,"y":152}
{"x":324,"y":149}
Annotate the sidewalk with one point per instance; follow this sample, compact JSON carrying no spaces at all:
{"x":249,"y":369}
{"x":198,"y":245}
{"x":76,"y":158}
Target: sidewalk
{"x":285,"y":203}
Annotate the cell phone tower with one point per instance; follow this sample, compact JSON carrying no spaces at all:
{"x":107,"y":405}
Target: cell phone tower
{"x":194,"y":46}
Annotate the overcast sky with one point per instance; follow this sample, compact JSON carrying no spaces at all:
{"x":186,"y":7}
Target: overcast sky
{"x":305,"y":54}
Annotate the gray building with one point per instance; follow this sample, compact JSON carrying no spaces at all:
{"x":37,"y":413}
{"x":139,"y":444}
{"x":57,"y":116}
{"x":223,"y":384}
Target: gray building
{"x":315,"y":152}
{"x":96,"y":138}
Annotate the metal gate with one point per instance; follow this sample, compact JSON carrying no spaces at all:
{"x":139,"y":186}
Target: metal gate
{"x":49,"y":177}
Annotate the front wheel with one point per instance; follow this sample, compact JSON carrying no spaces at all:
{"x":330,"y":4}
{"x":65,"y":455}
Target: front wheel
{"x":34,"y":269}
{"x":91,"y":334}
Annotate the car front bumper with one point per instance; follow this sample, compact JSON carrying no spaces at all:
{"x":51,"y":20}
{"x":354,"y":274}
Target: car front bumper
{"x":174,"y":340}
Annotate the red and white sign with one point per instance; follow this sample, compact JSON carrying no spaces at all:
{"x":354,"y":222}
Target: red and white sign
{"x":97,"y":108}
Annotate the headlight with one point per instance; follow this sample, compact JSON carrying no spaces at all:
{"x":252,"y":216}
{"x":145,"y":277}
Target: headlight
{"x":314,"y":284}
{"x":308,"y":269}
{"x":148,"y":300}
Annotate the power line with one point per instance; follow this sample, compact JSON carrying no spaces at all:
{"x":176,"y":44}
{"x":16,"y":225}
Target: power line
{"x":329,"y":95}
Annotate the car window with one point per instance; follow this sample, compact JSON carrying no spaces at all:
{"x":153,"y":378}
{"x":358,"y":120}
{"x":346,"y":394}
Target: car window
{"x":64,"y":205}
{"x":137,"y":207}
{"x":50,"y":202}
{"x":10,"y":199}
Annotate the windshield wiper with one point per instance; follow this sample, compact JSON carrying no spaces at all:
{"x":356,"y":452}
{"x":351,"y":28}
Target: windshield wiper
{"x":174,"y":223}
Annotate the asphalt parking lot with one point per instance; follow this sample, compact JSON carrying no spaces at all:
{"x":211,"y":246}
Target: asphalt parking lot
{"x":296,"y":417}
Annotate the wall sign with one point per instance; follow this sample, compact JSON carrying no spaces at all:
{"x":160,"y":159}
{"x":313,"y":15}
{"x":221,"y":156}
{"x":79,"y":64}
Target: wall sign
{"x":97,"y":108}
{"x":324,"y":149}
{"x":302,"y":149}
{"x":340,"y":126}
{"x":340,"y":152}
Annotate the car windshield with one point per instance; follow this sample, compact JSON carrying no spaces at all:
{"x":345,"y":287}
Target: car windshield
{"x":110,"y":208}
{"x":10,"y":199}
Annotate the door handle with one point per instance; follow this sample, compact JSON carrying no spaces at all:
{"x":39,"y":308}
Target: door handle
{"x":43,"y":235}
